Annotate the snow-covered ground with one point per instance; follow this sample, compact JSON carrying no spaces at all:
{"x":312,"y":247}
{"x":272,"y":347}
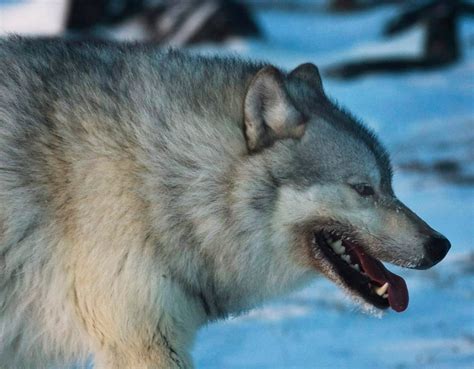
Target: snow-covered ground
{"x":427,"y":122}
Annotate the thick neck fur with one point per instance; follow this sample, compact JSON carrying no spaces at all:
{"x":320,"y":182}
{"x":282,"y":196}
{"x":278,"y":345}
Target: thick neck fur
{"x":221,"y":198}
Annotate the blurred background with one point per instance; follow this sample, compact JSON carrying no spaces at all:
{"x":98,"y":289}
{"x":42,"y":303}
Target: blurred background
{"x":406,"y":68}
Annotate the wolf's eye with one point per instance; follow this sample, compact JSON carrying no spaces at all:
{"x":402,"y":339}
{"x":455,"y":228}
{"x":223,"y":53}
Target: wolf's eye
{"x":364,"y":189}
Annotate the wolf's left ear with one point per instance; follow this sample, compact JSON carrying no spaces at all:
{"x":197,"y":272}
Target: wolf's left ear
{"x":269,"y":113}
{"x":308,"y":73}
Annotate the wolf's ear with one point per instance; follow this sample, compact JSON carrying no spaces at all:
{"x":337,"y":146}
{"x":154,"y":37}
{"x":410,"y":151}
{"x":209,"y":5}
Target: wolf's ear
{"x":269,"y":113}
{"x":308,"y":73}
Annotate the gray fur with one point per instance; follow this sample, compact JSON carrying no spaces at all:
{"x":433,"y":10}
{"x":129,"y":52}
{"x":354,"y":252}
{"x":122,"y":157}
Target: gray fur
{"x":133,"y":209}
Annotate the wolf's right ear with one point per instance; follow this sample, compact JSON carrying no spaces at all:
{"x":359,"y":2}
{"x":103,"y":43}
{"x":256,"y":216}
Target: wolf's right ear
{"x":268,"y":111}
{"x":308,"y":73}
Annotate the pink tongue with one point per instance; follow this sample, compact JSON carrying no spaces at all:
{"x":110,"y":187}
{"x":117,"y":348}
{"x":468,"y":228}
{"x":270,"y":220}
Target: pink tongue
{"x":397,"y":288}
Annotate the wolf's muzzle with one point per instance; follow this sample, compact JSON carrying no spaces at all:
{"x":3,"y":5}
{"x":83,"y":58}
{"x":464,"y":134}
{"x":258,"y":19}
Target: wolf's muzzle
{"x":436,"y":249}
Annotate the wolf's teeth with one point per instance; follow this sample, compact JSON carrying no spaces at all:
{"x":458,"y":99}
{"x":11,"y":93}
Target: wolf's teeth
{"x":381,"y":290}
{"x":346,"y":258}
{"x":356,"y":267}
{"x":337,"y":247}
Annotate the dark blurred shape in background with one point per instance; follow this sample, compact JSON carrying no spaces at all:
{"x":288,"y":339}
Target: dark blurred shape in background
{"x":181,"y":23}
{"x":441,"y":45}
{"x":350,"y":5}
{"x":169,"y":22}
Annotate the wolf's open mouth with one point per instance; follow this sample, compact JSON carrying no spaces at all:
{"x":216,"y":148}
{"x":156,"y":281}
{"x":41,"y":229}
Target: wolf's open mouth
{"x":361,"y":272}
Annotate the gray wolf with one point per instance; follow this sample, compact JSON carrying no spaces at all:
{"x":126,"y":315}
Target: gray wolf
{"x":145,"y":193}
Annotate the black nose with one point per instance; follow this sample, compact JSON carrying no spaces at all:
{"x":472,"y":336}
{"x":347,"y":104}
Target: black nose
{"x":436,"y":249}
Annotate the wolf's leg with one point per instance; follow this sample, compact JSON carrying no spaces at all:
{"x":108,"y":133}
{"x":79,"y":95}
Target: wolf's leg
{"x":132,"y":332}
{"x":158,"y":356}
{"x":136,"y":341}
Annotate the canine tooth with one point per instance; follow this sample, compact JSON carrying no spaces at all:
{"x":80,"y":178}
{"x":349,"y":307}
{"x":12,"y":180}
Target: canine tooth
{"x":381,"y":290}
{"x":385,"y":296}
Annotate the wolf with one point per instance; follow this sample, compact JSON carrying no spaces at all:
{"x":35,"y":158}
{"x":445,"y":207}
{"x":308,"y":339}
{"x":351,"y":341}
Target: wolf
{"x":145,"y":193}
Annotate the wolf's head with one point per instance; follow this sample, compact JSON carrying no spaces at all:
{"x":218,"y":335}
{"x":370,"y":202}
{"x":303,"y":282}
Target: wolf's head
{"x":335,"y":208}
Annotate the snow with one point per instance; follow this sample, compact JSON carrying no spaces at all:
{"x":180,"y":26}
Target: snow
{"x":32,"y":17}
{"x":424,"y":118}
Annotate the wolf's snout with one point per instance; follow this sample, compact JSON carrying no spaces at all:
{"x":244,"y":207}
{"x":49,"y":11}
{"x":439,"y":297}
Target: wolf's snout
{"x":436,"y":249}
